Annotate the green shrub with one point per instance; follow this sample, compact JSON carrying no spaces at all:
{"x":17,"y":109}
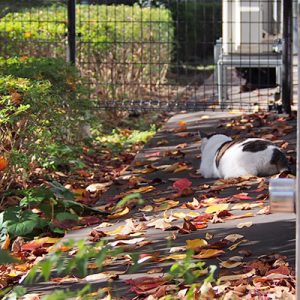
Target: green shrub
{"x":41,"y":103}
{"x":128,"y":48}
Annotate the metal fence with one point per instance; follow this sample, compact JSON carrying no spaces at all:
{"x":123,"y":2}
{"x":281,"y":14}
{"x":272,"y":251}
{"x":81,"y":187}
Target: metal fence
{"x":163,"y":54}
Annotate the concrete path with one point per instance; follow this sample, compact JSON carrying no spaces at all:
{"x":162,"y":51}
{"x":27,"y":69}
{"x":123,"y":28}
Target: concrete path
{"x":272,"y":233}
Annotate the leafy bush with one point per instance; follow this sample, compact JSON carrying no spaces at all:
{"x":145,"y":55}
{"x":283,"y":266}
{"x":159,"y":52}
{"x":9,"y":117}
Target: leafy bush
{"x":38,"y":107}
{"x":42,"y":209}
{"x":126,"y":47}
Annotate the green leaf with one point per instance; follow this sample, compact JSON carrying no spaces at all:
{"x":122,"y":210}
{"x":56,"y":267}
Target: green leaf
{"x":46,"y":267}
{"x":66,"y":216}
{"x":25,"y":225}
{"x":60,"y":191}
{"x":5,"y":258}
{"x":128,"y":198}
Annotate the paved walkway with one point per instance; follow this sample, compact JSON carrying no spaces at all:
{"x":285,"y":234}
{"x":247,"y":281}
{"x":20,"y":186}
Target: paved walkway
{"x":272,"y":233}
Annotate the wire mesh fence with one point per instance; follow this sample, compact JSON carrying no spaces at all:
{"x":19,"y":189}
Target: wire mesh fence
{"x":163,"y":54}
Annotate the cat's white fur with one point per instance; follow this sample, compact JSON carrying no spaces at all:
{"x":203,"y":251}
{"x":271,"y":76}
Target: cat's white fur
{"x":235,"y":162}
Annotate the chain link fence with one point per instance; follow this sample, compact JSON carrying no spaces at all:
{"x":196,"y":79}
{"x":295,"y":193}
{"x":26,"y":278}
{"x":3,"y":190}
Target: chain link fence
{"x":163,"y":54}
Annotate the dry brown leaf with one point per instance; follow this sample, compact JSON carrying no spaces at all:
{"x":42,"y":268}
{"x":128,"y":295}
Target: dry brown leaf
{"x":237,"y":277}
{"x":155,"y":270}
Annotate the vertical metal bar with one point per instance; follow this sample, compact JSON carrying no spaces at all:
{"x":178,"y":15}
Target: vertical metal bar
{"x":287,"y":55}
{"x":71,"y":55}
{"x":298,"y":172}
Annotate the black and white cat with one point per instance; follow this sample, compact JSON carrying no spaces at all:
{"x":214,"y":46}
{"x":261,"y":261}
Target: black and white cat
{"x":224,"y":158}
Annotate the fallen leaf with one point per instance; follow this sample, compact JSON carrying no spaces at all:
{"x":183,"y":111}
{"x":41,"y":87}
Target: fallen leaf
{"x":35,"y":244}
{"x":216,"y":208}
{"x":157,"y":153}
{"x":146,"y":208}
{"x":193,"y":205}
{"x":182,"y":184}
{"x":233,"y":237}
{"x":155,"y":270}
{"x":242,"y":196}
{"x":237,"y":277}
{"x":103,"y":275}
{"x":209,"y":236}
{"x":119,"y":214}
{"x":187,"y":227}
{"x":173,"y":257}
{"x":159,"y":224}
{"x":177,"y":249}
{"x":234,"y":246}
{"x":228,"y":264}
{"x":193,"y":244}
{"x":166,"y":205}
{"x":208,"y":253}
{"x":95,"y":187}
{"x":235,"y":217}
{"x":5,"y":245}
{"x":143,"y":285}
{"x":126,"y":242}
{"x":242,"y":225}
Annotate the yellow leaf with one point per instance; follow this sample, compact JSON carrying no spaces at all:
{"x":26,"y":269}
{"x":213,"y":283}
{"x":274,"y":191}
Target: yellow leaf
{"x":216,"y":208}
{"x":117,"y":215}
{"x":5,"y":245}
{"x":146,"y":208}
{"x":173,"y":257}
{"x":208,"y":253}
{"x":160,"y":200}
{"x":179,"y":215}
{"x":27,"y":34}
{"x":118,"y":230}
{"x":193,"y":244}
{"x":167,"y":205}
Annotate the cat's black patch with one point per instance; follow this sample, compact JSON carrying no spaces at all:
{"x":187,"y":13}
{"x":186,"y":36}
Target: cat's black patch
{"x":256,"y":146}
{"x":280,"y":160}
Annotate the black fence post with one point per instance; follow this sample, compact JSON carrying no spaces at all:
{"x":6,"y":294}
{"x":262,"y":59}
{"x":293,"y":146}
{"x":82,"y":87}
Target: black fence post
{"x":71,"y":55}
{"x":287,"y":55}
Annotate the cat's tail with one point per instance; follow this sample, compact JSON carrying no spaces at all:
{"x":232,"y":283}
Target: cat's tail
{"x":279,"y":159}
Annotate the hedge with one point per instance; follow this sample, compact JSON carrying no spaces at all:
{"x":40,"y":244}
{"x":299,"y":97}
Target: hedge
{"x":122,"y":49}
{"x":38,"y":107}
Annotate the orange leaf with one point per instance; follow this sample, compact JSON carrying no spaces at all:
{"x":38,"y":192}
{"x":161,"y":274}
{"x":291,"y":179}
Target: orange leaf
{"x":35,"y":244}
{"x":5,"y":245}
{"x":193,"y":244}
{"x":3,"y":163}
{"x":119,"y":214}
{"x":16,"y":98}
{"x":208,"y":253}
